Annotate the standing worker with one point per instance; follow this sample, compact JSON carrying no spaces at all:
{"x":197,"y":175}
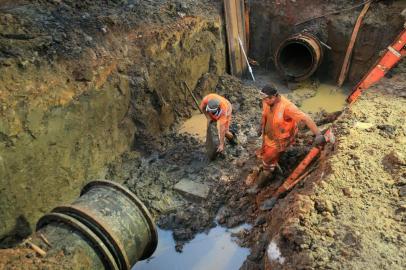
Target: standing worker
{"x":217,"y":108}
{"x":279,"y":128}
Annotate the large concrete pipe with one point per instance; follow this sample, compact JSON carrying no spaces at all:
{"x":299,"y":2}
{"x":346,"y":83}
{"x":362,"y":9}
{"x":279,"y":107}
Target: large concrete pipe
{"x":299,"y":56}
{"x":107,"y":227}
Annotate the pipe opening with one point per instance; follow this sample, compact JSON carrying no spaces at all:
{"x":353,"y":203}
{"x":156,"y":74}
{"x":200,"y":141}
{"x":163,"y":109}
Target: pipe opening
{"x":296,"y":59}
{"x":299,"y":56}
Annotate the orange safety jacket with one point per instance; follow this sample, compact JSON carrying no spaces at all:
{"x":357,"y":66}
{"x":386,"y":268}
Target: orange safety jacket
{"x":278,"y":127}
{"x":225,"y":107}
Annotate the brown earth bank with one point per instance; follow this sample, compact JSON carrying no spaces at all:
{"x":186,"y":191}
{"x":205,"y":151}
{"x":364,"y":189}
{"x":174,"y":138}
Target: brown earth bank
{"x":81,"y":82}
{"x":350,"y":212}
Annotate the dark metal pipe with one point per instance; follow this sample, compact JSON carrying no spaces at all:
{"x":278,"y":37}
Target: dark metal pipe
{"x":299,"y":56}
{"x":107,"y":225}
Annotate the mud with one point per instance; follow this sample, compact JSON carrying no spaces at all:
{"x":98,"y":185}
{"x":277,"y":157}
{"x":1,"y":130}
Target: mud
{"x":195,"y":126}
{"x":182,"y":156}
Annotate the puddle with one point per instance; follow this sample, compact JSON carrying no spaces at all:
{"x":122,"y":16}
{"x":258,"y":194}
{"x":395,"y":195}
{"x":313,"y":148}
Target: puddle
{"x":195,"y":126}
{"x":328,"y":97}
{"x":215,"y":250}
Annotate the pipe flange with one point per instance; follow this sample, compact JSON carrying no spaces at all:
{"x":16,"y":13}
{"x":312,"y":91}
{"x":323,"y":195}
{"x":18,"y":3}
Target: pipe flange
{"x":97,"y":243}
{"x":107,"y":236}
{"x":150,"y":249}
{"x":312,"y":45}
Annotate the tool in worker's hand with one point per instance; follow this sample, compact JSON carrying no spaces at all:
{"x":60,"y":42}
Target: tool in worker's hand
{"x":296,"y":175}
{"x":246,"y":58}
{"x":394,"y":54}
{"x":193,"y":96}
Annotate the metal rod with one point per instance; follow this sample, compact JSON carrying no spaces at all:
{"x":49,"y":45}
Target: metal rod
{"x":325,"y":45}
{"x":246,"y":58}
{"x":193,"y":96}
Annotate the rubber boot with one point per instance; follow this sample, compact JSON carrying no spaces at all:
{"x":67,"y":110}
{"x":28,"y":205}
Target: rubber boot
{"x":261,"y":181}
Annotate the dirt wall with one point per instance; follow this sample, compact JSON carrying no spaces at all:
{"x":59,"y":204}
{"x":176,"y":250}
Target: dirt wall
{"x":273,"y":21}
{"x":82,"y":83}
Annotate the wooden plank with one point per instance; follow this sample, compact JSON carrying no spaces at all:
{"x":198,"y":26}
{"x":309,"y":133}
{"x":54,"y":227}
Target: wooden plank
{"x":346,"y":62}
{"x":235,"y":27}
{"x":241,"y":32}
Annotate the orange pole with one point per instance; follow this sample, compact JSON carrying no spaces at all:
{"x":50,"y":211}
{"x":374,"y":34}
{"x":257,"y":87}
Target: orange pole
{"x":394,"y":54}
{"x":293,"y":178}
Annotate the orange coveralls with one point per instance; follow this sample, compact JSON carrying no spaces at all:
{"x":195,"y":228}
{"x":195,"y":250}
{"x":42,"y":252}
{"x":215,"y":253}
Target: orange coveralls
{"x":224,"y":117}
{"x":279,"y":125}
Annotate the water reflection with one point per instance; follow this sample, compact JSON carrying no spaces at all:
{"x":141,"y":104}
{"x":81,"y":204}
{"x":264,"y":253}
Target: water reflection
{"x":215,"y":250}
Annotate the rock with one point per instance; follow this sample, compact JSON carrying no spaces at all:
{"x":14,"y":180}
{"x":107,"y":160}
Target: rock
{"x":363,"y":126}
{"x":329,"y":206}
{"x":240,"y":163}
{"x":83,"y":74}
{"x":324,"y":206}
{"x":330,"y":232}
{"x":260,"y":220}
{"x":397,"y":158}
{"x":402,"y":191}
{"x":193,"y":189}
{"x":304,"y":246}
{"x":347,"y":191}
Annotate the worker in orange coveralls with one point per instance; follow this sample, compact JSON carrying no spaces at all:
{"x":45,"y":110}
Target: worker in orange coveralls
{"x":279,"y":127}
{"x":217,"y":108}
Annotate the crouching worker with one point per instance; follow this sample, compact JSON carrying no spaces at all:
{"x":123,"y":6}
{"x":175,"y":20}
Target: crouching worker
{"x":218,"y":109}
{"x":280,"y":118}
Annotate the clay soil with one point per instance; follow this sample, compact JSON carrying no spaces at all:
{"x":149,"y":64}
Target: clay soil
{"x":348,"y":213}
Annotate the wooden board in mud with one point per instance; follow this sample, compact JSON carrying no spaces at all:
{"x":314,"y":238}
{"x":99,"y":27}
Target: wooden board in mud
{"x":212,"y":141}
{"x":235,"y":26}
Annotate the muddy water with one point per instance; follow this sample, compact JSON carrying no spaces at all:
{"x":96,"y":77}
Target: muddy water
{"x":328,"y":98}
{"x":195,"y":126}
{"x":215,"y":250}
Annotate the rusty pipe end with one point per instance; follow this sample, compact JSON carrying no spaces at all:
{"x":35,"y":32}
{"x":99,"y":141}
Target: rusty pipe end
{"x":299,"y":56}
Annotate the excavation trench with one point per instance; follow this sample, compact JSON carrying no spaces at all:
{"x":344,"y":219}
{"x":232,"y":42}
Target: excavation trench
{"x":95,"y":95}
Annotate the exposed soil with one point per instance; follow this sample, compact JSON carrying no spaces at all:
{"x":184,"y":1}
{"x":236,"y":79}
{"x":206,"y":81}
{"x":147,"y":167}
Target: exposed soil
{"x":350,"y":213}
{"x":83,"y":82}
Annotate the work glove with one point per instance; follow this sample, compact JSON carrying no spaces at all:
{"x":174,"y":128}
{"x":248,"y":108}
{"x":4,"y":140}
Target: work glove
{"x":319,"y":140}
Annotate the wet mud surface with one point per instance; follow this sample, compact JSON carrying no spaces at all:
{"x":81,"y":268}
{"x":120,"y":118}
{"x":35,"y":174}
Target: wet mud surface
{"x":177,"y":156}
{"x":347,"y":213}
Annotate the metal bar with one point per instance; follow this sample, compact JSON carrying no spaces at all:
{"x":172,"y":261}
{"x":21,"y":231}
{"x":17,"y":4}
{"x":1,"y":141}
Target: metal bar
{"x":193,"y":96}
